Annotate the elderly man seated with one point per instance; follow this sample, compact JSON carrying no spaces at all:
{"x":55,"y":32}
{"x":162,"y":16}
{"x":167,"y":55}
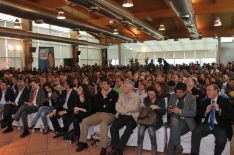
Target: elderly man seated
{"x":127,"y":111}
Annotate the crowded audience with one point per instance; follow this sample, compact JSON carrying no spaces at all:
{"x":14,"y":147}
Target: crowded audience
{"x":194,"y":98}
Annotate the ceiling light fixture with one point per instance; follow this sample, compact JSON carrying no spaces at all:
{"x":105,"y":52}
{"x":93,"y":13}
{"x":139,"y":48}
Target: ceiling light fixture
{"x":127,"y":3}
{"x":61,"y":15}
{"x":111,"y":21}
{"x":185,"y":17}
{"x":217,"y":22}
{"x":162,"y":27}
{"x":116,"y":32}
{"x":17,"y":23}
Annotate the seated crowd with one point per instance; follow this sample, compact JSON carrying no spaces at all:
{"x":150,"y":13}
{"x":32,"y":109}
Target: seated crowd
{"x":195,"y":98}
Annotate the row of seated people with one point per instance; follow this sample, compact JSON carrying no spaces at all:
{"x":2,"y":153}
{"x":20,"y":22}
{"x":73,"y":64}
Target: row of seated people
{"x":114,"y":110}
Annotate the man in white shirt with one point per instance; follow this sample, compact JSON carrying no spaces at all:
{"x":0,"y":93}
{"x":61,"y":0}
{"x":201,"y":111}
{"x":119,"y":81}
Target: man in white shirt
{"x":218,"y":115}
{"x":21,"y":96}
{"x":36,"y":98}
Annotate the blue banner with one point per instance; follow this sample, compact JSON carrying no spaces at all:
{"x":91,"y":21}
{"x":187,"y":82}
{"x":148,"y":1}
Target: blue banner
{"x":46,"y":58}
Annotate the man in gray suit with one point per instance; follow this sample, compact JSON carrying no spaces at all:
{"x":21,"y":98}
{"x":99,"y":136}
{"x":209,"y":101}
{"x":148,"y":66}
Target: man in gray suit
{"x":182,"y":110}
{"x":36,"y":98}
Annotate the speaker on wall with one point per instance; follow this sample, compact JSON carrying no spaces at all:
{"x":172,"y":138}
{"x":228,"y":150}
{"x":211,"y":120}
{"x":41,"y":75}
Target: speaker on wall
{"x":32,"y":49}
{"x":78,"y":52}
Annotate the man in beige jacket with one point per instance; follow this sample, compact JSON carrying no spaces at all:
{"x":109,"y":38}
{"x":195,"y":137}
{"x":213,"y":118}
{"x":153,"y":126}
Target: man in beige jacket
{"x":127,"y":109}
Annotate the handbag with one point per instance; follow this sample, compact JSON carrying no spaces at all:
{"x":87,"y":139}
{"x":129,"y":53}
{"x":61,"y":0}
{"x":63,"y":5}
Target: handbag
{"x":147,"y":116}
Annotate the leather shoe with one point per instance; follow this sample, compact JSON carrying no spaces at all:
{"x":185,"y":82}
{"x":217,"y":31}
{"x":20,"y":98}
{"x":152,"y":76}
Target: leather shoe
{"x":113,"y":152}
{"x":103,"y":151}
{"x":8,"y":129}
{"x":178,"y":149}
{"x":45,"y":131}
{"x":59,"y":134}
{"x":25,"y":133}
{"x":81,"y":147}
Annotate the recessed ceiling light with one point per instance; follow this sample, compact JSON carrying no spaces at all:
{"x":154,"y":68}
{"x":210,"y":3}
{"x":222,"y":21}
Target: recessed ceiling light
{"x":127,"y":3}
{"x":162,"y":27}
{"x":217,"y":22}
{"x":61,"y":15}
{"x":116,"y":32}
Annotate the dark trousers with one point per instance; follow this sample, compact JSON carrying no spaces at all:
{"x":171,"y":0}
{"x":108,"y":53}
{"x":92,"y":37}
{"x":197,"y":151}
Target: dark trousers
{"x":178,"y":127}
{"x":202,"y":131}
{"x":23,"y":112}
{"x":118,"y":142}
{"x":9,"y":110}
{"x":67,"y":120}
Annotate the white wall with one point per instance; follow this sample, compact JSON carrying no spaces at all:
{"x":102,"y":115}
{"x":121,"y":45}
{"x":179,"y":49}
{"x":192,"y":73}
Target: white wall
{"x":227,"y":52}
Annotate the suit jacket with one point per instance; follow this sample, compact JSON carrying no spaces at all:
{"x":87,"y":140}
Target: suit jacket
{"x":71,"y":103}
{"x":224,"y":118}
{"x":9,"y":95}
{"x":23,"y":97}
{"x":132,"y":107}
{"x":189,"y":109}
{"x":40,"y":96}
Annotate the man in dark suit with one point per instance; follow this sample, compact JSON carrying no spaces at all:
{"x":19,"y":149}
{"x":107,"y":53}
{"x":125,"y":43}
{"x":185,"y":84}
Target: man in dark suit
{"x":182,"y":109}
{"x":64,"y":109}
{"x":218,"y":114}
{"x":21,"y":96}
{"x":6,"y":96}
{"x":36,"y":98}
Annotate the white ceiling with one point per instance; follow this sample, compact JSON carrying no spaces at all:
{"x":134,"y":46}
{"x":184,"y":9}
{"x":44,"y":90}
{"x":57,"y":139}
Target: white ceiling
{"x":171,"y":45}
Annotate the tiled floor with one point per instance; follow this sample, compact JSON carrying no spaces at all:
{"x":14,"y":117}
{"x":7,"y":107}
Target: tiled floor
{"x":38,"y":144}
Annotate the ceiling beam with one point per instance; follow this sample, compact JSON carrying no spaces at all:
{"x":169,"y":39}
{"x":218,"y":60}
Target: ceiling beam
{"x":199,"y":9}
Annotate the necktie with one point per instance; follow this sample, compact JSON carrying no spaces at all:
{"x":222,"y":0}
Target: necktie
{"x":34,"y":95}
{"x":212,"y":116}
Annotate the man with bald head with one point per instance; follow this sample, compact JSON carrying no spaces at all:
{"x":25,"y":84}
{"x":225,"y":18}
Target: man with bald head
{"x":127,"y":109}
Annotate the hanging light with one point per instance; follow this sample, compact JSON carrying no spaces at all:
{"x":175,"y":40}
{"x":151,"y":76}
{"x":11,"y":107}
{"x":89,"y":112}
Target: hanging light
{"x":162,"y":27}
{"x":111,"y":21}
{"x":116,"y":32}
{"x":127,"y":3}
{"x":217,"y":22}
{"x":17,"y":23}
{"x":61,"y":15}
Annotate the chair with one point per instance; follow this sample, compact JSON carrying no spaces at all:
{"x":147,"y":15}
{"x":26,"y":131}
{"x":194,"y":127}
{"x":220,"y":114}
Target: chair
{"x":161,"y":140}
{"x":185,"y":141}
{"x":208,"y":144}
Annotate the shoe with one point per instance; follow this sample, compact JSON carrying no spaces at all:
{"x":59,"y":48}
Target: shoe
{"x":178,"y":149}
{"x":81,"y":147}
{"x":119,"y":152}
{"x":58,"y":134}
{"x":103,"y":151}
{"x":45,"y":131}
{"x":8,"y":129}
{"x":112,"y":152}
{"x":25,"y":133}
{"x":31,"y":127}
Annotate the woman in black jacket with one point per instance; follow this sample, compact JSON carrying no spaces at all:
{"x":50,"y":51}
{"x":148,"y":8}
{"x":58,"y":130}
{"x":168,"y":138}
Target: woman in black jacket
{"x":83,"y":108}
{"x":156,"y":104}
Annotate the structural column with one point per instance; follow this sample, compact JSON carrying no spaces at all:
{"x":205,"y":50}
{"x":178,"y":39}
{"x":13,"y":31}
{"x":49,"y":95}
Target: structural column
{"x":27,"y":45}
